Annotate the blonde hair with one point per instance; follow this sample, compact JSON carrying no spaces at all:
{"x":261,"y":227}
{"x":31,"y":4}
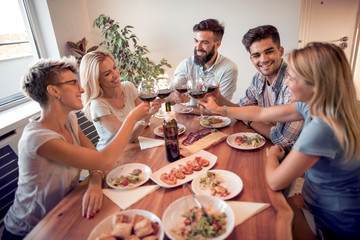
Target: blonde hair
{"x":325,"y":66}
{"x":89,"y":76}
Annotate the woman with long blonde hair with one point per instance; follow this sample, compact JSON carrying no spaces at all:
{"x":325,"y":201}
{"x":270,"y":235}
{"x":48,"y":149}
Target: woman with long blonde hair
{"x":107,"y":100}
{"x":328,"y":148}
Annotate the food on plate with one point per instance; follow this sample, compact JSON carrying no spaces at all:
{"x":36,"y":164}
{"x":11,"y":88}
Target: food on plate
{"x":124,"y":180}
{"x":195,"y":226}
{"x":208,"y":121}
{"x":249,"y":141}
{"x":137,"y":227}
{"x":180,"y":129}
{"x":168,"y":178}
{"x":186,"y":169}
{"x":202,"y":161}
{"x":215,"y":183}
{"x":194,"y":165}
{"x":195,"y":136}
{"x":177,"y":173}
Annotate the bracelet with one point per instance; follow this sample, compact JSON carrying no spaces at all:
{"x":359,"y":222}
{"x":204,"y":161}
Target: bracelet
{"x":99,"y":172}
{"x":224,"y":111}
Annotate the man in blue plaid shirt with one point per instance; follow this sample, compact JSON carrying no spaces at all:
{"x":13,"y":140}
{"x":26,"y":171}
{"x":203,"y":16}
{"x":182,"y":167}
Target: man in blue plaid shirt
{"x":267,"y":87}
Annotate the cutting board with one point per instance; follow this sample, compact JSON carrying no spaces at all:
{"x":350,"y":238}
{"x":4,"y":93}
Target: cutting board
{"x":202,"y":144}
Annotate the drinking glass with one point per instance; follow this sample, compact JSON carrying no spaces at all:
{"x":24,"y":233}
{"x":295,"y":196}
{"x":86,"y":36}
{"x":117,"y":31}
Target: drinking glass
{"x":211,"y":81}
{"x":147,"y":91}
{"x":180,"y":83}
{"x":197,"y":89}
{"x":164,"y":89}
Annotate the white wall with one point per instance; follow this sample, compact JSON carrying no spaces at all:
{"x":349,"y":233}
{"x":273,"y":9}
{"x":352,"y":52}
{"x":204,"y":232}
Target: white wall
{"x":165,"y":26}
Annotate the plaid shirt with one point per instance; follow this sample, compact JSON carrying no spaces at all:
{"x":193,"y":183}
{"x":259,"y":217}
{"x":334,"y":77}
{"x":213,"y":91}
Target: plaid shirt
{"x":284,"y":134}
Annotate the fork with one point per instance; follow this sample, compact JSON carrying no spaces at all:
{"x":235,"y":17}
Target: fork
{"x":199,"y":204}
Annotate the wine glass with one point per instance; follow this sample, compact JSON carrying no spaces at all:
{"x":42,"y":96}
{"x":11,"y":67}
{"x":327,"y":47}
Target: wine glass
{"x":147,"y":91}
{"x":164,"y":89}
{"x":180,"y":83}
{"x":211,"y":81}
{"x":197,"y":89}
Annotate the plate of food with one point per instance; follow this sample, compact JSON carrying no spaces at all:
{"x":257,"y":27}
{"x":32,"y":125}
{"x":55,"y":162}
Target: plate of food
{"x":128,"y":176}
{"x":184,"y":169}
{"x":183,"y":219}
{"x":158,"y":131}
{"x":129,"y":224}
{"x":246,"y":140}
{"x":218,"y":183}
{"x":215,"y":121}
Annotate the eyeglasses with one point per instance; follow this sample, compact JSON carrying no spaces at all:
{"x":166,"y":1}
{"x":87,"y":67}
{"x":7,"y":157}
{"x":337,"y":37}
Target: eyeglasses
{"x":73,"y":82}
{"x":287,"y":75}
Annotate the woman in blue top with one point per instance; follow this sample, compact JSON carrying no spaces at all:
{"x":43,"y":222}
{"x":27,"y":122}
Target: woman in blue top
{"x":328,"y":148}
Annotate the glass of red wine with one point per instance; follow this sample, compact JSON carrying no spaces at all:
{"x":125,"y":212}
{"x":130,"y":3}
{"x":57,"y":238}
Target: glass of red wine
{"x":180,"y":83}
{"x":197,"y":89}
{"x":164,"y":89}
{"x":211,"y":81}
{"x":147,"y":91}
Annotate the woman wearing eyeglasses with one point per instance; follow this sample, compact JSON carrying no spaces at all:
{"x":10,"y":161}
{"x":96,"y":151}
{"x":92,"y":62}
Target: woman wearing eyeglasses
{"x":53,"y":149}
{"x":328,"y":148}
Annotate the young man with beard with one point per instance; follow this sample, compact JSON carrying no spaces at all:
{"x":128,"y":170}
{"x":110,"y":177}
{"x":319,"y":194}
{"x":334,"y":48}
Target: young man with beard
{"x":207,"y":40}
{"x":267,"y":87}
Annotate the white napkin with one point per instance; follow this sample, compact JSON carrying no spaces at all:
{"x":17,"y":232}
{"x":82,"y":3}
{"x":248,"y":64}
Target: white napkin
{"x":149,"y":142}
{"x":245,"y":210}
{"x":126,"y":198}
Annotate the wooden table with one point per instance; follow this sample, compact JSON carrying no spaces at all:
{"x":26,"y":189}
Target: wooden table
{"x":65,"y":220}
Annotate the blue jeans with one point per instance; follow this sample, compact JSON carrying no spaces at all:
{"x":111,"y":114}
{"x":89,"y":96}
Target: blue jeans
{"x":9,"y":236}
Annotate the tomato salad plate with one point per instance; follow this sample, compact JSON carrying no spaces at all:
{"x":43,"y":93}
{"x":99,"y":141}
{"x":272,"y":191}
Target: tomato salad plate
{"x":246,"y":140}
{"x":184,"y":169}
{"x":215,"y":121}
{"x":128,"y":176}
{"x":218,"y":183}
{"x":158,"y":131}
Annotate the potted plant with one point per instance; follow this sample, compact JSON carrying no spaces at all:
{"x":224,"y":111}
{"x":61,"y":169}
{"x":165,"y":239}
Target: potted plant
{"x":80,"y":48}
{"x":131,"y":57}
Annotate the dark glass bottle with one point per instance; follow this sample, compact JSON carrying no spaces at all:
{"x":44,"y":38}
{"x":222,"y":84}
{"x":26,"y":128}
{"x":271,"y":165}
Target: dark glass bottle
{"x":171,"y":135}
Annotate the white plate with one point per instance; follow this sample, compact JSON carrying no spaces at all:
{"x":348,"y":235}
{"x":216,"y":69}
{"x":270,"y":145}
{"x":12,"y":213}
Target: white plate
{"x":172,"y":215}
{"x":231,"y":141}
{"x":126,"y":170}
{"x":105,"y":226}
{"x":156,"y":175}
{"x":230,"y":181}
{"x":226,"y":121}
{"x":181,"y":130}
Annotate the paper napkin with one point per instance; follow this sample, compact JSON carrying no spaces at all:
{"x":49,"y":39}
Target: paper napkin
{"x":126,"y":198}
{"x":149,"y":142}
{"x":245,"y":210}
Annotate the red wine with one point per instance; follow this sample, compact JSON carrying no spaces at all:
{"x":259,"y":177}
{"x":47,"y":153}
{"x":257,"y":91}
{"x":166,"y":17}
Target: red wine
{"x":148,"y":97}
{"x":197,"y":94}
{"x":163,"y":93}
{"x":181,"y":89}
{"x":211,"y":89}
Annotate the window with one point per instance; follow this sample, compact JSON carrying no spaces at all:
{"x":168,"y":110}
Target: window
{"x":17,"y":51}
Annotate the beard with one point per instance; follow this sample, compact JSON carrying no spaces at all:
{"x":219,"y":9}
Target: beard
{"x":202,"y":60}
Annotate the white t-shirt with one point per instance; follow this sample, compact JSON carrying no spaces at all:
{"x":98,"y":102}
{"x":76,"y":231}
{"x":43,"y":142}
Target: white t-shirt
{"x":42,"y":182}
{"x":100,"y":107}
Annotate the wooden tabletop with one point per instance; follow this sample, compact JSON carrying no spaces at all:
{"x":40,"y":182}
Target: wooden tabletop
{"x":65,"y":220}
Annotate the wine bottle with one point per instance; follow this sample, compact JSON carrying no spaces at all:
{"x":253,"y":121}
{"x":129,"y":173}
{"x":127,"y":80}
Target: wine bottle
{"x":171,"y":135}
